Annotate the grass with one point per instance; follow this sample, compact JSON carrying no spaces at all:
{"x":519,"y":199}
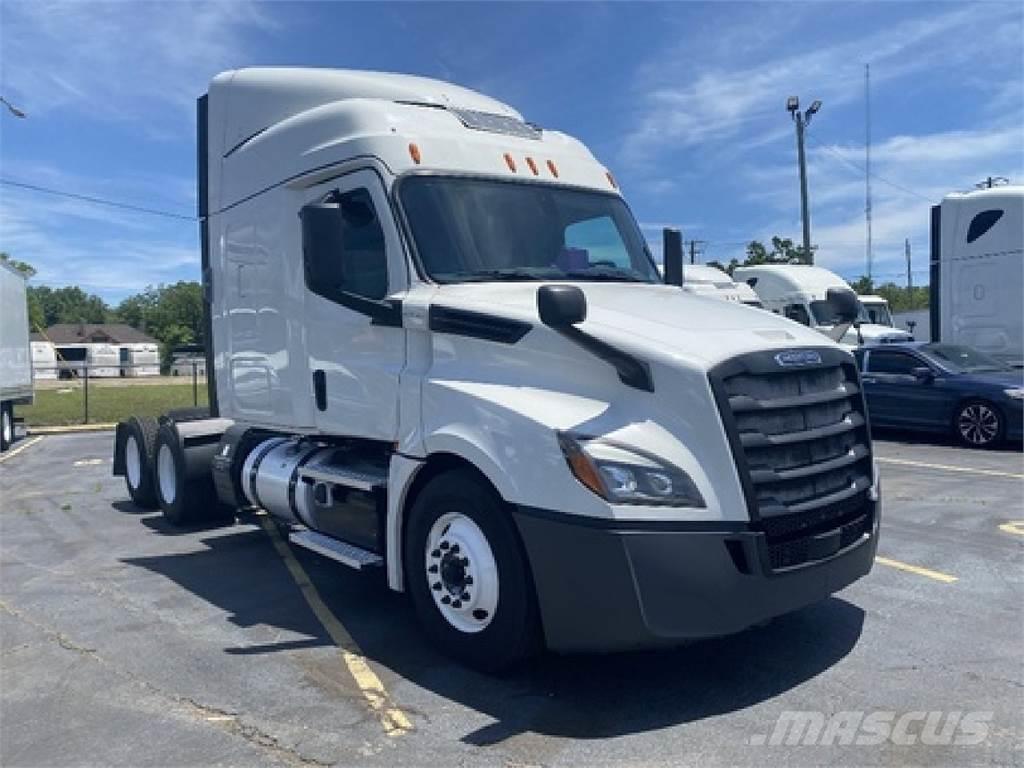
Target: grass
{"x":65,"y":406}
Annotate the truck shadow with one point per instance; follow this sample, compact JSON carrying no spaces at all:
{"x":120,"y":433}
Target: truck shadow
{"x":583,"y":697}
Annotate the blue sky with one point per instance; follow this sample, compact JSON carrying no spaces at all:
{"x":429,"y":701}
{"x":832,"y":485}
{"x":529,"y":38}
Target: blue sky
{"x":684,"y":102}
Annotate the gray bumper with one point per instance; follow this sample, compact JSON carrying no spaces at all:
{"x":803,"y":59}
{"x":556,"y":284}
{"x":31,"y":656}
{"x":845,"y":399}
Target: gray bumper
{"x":607,"y":587}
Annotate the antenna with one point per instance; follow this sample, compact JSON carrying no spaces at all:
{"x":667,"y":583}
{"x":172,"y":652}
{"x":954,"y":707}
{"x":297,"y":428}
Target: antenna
{"x":867,"y":164}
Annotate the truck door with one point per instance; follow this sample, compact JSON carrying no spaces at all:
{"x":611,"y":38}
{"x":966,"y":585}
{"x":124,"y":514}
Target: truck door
{"x":354,"y":340}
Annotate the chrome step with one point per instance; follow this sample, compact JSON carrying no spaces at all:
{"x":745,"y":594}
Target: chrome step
{"x":362,"y":479}
{"x":346,"y":554}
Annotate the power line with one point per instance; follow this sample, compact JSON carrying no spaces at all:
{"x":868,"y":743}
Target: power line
{"x":865,"y":171}
{"x":96,"y":200}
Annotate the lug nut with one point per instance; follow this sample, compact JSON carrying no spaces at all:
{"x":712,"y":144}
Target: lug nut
{"x":464,"y":596}
{"x":436,"y":586}
{"x":436,"y":553}
{"x":455,"y":549}
{"x":446,"y":600}
{"x":468,"y":581}
{"x":432,"y":569}
{"x":445,"y":545}
{"x":456,"y":604}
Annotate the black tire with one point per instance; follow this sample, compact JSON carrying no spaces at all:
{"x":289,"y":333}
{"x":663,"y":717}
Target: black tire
{"x":186,"y":494}
{"x":6,"y":426}
{"x":143,"y":432}
{"x":513,"y":633}
{"x":978,"y":424}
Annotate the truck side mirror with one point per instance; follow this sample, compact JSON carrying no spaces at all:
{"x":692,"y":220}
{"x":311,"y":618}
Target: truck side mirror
{"x":561,"y":306}
{"x":323,"y":238}
{"x":843,"y":303}
{"x":672,"y":253}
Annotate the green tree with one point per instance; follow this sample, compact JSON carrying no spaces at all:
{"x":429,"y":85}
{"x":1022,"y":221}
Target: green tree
{"x":171,"y":314}
{"x":68,"y":305}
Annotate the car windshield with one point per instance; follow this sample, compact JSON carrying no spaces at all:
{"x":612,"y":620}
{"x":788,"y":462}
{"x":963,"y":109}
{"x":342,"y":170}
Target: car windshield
{"x":482,"y":230}
{"x":961,"y":358}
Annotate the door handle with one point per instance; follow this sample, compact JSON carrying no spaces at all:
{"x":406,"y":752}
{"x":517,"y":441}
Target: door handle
{"x":320,"y":389}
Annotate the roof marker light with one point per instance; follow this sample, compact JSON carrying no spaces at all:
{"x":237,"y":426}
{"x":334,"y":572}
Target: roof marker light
{"x":414,"y":153}
{"x":533,"y":165}
{"x":553,"y":168}
{"x":611,"y":179}
{"x":510,"y":162}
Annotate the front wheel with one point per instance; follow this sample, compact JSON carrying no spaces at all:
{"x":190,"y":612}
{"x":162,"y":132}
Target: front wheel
{"x":467,"y":576}
{"x":978,"y":424}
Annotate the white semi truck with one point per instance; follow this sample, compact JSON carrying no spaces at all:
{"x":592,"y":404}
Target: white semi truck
{"x":706,"y":280}
{"x":800,"y":292}
{"x":15,"y":352}
{"x":440,"y":346}
{"x":977,"y":271}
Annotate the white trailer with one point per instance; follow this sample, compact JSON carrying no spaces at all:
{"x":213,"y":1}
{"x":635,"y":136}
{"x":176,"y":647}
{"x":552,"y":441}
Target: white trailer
{"x":977,"y":271}
{"x":44,"y":360}
{"x":140,"y":360}
{"x":15,"y":353}
{"x":800,"y":293}
{"x":438,"y":345}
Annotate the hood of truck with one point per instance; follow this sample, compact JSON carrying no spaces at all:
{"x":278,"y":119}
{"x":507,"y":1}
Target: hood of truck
{"x":872,"y":333}
{"x":654,"y":321}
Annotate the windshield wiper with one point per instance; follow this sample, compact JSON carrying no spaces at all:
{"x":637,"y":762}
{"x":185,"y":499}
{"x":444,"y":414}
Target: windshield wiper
{"x":605,"y":274}
{"x":512,"y":274}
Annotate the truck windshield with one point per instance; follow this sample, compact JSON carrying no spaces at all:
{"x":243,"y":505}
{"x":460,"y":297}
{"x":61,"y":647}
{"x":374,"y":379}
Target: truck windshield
{"x":483,"y":230}
{"x":877,"y":314}
{"x":824,"y":314}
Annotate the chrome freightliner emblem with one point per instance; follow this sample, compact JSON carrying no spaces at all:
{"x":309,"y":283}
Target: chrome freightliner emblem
{"x":795,"y":357}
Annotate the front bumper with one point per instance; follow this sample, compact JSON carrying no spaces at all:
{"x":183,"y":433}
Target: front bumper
{"x":605,"y":586}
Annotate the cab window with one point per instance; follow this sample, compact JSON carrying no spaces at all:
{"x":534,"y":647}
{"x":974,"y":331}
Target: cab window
{"x":889,"y":361}
{"x":797,"y":312}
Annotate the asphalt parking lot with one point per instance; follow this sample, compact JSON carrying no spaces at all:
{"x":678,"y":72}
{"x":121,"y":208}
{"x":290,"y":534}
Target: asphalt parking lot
{"x":126,"y":642}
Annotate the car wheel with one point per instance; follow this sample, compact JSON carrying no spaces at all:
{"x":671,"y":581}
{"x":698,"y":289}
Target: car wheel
{"x":467,"y":576}
{"x":978,"y":424}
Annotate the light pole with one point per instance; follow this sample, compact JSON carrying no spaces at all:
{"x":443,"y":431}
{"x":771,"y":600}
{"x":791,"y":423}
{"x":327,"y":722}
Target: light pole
{"x":11,"y":108}
{"x":802,"y":120}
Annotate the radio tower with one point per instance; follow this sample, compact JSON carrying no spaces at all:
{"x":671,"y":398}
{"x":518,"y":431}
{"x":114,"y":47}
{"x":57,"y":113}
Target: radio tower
{"x":867,"y":163}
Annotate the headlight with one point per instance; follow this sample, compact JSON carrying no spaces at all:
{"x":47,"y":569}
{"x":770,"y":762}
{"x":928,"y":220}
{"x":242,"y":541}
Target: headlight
{"x":1017,"y":393}
{"x":627,"y":476}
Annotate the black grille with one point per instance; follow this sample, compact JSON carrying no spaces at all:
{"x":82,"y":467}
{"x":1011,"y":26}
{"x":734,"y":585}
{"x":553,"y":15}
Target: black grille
{"x":800,"y":440}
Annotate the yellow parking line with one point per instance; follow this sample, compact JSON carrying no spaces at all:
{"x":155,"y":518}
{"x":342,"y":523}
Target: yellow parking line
{"x":14,"y":452}
{"x":951,"y":468}
{"x":1014,"y":526}
{"x":945,"y":578}
{"x":393,"y":719}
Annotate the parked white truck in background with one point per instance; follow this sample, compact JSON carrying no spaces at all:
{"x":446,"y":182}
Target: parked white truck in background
{"x":439,"y":344}
{"x":800,"y":292}
{"x":15,"y":353}
{"x":977,"y":271}
{"x":877,"y":309}
{"x":712,"y":282}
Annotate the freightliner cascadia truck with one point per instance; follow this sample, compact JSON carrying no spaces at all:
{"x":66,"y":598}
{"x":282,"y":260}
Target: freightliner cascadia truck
{"x":438,"y":345}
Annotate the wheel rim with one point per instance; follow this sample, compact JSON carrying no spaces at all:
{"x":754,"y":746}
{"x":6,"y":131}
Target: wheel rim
{"x":132,"y":462}
{"x":166,"y":474}
{"x":8,"y":427}
{"x":462,"y":574}
{"x":978,"y":424}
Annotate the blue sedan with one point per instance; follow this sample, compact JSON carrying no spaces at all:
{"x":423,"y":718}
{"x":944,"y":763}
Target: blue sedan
{"x":944,"y":388}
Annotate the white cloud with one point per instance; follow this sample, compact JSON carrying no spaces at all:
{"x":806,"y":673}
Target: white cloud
{"x":121,"y":60}
{"x":724,"y":103}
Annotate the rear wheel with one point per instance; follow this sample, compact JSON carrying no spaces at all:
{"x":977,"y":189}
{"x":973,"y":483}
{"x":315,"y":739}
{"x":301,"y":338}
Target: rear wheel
{"x":186,"y":494}
{"x":467,"y":576}
{"x":978,"y":424}
{"x":139,"y":444}
{"x":6,"y":426}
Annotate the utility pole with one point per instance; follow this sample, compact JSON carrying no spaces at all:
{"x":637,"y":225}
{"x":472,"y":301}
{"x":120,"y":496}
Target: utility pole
{"x":802,"y":120}
{"x":867,"y":165}
{"x":696,"y":250}
{"x":910,"y":282}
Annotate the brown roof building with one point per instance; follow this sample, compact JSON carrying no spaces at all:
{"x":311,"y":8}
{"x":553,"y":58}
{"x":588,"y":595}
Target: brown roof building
{"x":69,"y":334}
